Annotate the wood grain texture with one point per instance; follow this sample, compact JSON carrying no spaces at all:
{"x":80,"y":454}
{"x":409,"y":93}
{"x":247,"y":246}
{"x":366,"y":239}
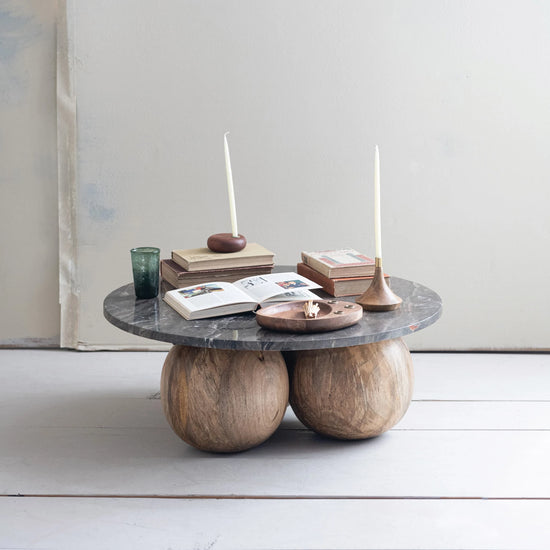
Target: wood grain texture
{"x":352,"y":393}
{"x":224,"y":400}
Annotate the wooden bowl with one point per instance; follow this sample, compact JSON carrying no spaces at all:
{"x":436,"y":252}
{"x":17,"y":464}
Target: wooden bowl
{"x":289,"y":316}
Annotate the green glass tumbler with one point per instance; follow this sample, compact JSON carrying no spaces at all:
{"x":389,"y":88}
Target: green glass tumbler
{"x":145,"y":267}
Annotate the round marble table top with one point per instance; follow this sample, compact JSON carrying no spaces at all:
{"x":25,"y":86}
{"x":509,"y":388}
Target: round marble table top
{"x":157,"y":320}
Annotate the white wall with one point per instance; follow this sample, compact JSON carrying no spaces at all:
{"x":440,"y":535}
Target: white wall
{"x":28,"y":174}
{"x":455,"y":94}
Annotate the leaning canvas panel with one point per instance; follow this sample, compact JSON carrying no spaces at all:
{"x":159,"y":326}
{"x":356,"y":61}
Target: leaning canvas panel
{"x":28,"y":174}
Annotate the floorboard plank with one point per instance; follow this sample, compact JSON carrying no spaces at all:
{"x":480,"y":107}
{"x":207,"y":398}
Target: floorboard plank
{"x":117,"y":410}
{"x":299,"y":463}
{"x":38,"y":523}
{"x":115,"y":390}
{"x":439,"y":376}
{"x":483,"y":415}
{"x":482,"y":376}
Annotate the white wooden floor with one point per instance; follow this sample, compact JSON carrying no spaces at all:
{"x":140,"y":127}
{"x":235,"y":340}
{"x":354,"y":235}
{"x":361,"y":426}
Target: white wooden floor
{"x":87,"y":461}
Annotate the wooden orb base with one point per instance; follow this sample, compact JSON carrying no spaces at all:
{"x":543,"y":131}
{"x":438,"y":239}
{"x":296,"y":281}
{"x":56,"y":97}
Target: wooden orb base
{"x":352,"y":393}
{"x":225,"y":242}
{"x":223,"y":400}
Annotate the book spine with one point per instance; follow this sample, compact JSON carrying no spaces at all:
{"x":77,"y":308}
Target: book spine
{"x":180,"y":261}
{"x":167,"y":274}
{"x":218,"y":265}
{"x":320,"y":267}
{"x":309,"y":273}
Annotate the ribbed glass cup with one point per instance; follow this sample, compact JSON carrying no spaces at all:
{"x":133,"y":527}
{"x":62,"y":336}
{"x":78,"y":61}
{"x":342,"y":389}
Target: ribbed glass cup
{"x":145,"y":267}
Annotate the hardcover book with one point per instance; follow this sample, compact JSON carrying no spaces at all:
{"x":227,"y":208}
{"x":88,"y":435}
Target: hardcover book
{"x":220,"y":298}
{"x":178,"y":277}
{"x":337,"y":287}
{"x":197,"y":259}
{"x":345,"y":262}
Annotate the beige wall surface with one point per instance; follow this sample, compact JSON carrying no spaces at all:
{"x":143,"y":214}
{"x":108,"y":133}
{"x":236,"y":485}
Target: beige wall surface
{"x":28,"y":174}
{"x":454,"y":93}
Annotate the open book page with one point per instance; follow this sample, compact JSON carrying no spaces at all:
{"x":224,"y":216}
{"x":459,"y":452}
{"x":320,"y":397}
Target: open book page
{"x":277,"y":287}
{"x":210,"y":295}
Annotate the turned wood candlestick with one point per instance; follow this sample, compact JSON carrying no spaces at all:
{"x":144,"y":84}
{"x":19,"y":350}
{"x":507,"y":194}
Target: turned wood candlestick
{"x":379,"y":297}
{"x":226,"y":242}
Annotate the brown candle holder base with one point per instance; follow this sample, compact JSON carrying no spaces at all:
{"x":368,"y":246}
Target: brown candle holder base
{"x":379,"y":297}
{"x":225,"y":242}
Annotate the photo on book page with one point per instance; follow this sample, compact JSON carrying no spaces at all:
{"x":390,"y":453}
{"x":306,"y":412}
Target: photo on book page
{"x":293,"y":283}
{"x":200,"y":290}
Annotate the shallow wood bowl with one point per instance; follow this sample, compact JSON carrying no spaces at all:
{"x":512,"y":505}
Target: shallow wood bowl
{"x":290,"y":317}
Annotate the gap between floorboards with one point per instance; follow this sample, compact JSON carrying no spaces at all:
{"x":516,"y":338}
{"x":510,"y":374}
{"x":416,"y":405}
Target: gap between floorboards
{"x":271,"y":497}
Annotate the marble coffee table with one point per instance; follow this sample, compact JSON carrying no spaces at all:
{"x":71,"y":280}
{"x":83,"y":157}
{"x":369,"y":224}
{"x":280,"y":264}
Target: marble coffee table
{"x":226,"y":382}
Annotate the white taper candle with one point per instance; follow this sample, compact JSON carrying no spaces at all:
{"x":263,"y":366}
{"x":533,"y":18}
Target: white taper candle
{"x":377,"y":225}
{"x":230,"y":190}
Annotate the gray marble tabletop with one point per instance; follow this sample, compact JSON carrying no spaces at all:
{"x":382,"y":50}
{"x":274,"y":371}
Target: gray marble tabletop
{"x":157,"y":320}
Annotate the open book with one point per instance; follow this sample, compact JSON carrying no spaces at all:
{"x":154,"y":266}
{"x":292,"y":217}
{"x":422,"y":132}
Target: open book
{"x":219,"y":298}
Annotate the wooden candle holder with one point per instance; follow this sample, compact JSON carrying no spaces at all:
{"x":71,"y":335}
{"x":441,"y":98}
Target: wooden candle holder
{"x":379,"y":297}
{"x":225,"y":242}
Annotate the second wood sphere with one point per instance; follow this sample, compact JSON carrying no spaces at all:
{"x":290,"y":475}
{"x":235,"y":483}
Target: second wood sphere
{"x":352,"y":393}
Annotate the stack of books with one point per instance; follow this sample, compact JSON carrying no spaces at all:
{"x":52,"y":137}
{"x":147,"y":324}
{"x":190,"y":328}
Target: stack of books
{"x":199,"y":265}
{"x":344,"y":272}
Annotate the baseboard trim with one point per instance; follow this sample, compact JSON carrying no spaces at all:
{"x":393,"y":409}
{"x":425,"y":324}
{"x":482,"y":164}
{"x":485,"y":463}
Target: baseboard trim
{"x":29,"y":343}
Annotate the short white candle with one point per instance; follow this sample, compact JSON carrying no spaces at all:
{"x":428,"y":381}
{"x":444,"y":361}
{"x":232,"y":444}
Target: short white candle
{"x":377,"y":225}
{"x":230,"y":190}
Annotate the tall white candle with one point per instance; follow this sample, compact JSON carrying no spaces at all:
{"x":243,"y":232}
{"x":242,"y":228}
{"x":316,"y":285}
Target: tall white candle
{"x":377,"y":225}
{"x":230,"y":190}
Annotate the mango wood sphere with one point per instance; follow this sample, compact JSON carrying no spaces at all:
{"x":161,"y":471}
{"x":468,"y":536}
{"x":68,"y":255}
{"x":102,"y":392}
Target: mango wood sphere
{"x":224,"y":400}
{"x":352,"y":393}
